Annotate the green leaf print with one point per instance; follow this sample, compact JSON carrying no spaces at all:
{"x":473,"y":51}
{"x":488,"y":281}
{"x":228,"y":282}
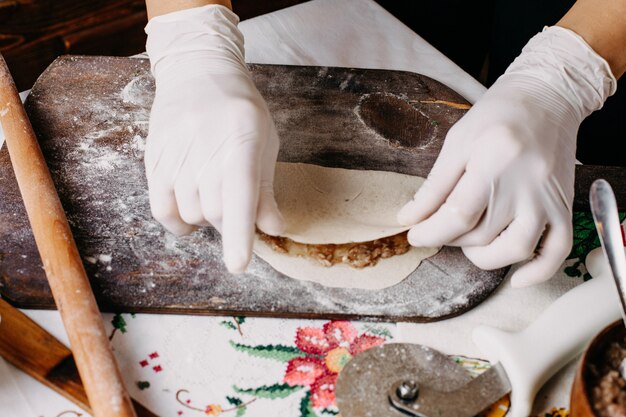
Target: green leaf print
{"x":305,"y":406}
{"x":378,"y":331}
{"x":119,"y":323}
{"x":236,"y":402}
{"x":142,"y":385}
{"x":228,"y":324}
{"x":240,"y":319}
{"x":585,"y":235}
{"x":585,"y":240}
{"x":279,"y":353}
{"x":572,"y":270}
{"x":269,"y":391}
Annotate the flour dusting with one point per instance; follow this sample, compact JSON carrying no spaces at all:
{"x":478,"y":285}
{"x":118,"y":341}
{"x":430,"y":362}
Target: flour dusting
{"x":95,"y":153}
{"x":138,"y":91}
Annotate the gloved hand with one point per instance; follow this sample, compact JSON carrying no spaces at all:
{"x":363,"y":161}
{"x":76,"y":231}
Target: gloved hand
{"x":212,"y":145}
{"x":504,"y":180}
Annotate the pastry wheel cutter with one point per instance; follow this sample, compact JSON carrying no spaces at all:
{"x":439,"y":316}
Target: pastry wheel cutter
{"x":408,"y":379}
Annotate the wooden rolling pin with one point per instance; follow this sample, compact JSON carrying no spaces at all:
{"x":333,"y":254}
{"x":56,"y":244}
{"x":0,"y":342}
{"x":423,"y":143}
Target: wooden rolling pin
{"x":61,"y":260}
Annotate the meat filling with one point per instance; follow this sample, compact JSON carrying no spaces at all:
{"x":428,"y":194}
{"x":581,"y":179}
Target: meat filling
{"x":609,"y":390}
{"x":357,"y":255}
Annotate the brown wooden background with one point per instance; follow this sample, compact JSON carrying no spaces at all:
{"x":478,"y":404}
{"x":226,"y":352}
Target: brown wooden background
{"x":34,"y":32}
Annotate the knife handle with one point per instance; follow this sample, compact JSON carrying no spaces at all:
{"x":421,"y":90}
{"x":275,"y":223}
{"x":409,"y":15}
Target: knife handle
{"x":531,"y":356}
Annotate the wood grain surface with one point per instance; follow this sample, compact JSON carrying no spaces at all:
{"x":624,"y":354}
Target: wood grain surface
{"x":35,"y":32}
{"x":91,"y":116}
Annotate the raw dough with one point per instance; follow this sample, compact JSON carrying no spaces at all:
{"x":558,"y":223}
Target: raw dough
{"x":333,"y":205}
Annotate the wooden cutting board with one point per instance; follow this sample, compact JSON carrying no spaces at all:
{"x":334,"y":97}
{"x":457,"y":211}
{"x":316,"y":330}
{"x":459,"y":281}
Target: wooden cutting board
{"x":91,"y":117}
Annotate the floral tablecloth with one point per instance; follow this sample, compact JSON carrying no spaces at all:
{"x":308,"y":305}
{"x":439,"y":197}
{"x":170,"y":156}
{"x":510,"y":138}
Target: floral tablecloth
{"x":194,"y":366}
{"x":238,"y":366}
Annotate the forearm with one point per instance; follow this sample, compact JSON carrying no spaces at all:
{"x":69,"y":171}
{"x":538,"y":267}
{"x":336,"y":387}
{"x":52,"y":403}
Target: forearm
{"x":602,"y":24}
{"x":160,"y":7}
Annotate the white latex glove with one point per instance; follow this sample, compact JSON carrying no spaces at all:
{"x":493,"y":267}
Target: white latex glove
{"x":504,"y":180}
{"x":212,"y":145}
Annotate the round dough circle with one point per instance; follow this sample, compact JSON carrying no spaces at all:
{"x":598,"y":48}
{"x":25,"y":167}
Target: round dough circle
{"x":335,"y":205}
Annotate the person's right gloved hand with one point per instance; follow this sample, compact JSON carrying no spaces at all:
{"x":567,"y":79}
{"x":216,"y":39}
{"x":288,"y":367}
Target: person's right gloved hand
{"x":503,"y":184}
{"x":212,"y":145}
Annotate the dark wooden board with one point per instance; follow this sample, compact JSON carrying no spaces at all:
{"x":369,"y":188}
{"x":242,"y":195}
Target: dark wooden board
{"x":91,"y":114}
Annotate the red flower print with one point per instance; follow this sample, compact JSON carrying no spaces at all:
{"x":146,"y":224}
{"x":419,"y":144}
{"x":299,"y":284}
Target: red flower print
{"x":312,"y":340}
{"x":304,"y":371}
{"x":330,"y":349}
{"x":340,"y":333}
{"x":323,"y":391}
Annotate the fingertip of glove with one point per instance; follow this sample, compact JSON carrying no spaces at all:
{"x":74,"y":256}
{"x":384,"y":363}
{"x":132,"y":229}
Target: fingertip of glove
{"x":236,"y":271}
{"x":532,"y":273}
{"x":179,"y":229}
{"x":236,"y":263}
{"x":270,"y":220}
{"x":272,"y":228}
{"x":272,"y":223}
{"x":416,"y":238}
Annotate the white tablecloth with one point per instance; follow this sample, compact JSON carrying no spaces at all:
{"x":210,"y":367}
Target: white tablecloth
{"x":202,"y":351}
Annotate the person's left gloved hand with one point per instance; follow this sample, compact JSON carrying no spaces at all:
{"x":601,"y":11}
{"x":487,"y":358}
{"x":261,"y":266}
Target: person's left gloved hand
{"x":212,"y":144}
{"x":504,"y":180}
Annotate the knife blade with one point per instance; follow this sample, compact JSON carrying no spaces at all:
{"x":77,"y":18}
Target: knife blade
{"x":372,"y":384}
{"x":467,"y":401}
